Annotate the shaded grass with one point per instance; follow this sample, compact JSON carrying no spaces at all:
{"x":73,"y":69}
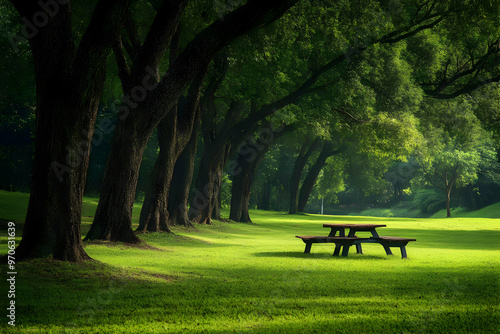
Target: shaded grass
{"x":490,"y":211}
{"x":242,"y":278}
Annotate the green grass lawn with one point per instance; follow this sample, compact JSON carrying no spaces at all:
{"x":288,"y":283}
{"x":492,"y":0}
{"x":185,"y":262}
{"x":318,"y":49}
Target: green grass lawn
{"x":242,"y":278}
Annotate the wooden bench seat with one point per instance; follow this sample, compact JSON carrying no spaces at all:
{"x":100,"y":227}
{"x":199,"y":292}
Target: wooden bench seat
{"x":388,"y":242}
{"x":347,"y":242}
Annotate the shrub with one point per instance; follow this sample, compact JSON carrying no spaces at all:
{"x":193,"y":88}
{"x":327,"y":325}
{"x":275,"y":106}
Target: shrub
{"x":428,"y":201}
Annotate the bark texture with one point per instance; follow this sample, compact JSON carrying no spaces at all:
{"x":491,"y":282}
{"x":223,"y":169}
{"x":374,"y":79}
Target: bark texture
{"x":181,"y":180}
{"x":242,"y":184}
{"x":69,"y":84}
{"x":173,"y":135}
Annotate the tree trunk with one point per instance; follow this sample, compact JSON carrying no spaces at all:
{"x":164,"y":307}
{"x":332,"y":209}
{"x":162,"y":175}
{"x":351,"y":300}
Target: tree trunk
{"x":154,"y":213}
{"x":52,"y":225}
{"x":173,"y":135}
{"x":305,"y":152}
{"x":265,"y":201}
{"x":448,"y":199}
{"x":69,"y":85}
{"x":181,"y":180}
{"x":250,"y":156}
{"x":216,"y":195}
{"x":201,"y":208}
{"x":448,"y":188}
{"x":242,"y":184}
{"x":205,"y":203}
{"x":114,"y":213}
{"x":113,"y":217}
{"x":312,"y":175}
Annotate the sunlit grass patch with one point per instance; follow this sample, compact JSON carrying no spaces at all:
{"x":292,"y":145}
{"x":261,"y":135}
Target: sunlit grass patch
{"x":255,"y":278}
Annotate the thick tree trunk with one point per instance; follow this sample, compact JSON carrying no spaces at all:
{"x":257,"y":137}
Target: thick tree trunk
{"x":181,"y":180}
{"x":173,"y":135}
{"x":154,"y":212}
{"x":52,"y":225}
{"x":206,"y":185}
{"x":305,"y":152}
{"x":242,"y":184}
{"x":69,"y":87}
{"x":113,"y":218}
{"x":313,"y":173}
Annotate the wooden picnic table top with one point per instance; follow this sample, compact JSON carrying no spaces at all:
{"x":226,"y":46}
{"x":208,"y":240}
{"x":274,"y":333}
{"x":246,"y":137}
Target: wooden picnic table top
{"x":354,"y":226}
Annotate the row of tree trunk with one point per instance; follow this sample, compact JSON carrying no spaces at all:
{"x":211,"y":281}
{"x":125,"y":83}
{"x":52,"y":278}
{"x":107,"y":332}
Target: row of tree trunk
{"x":69,"y":84}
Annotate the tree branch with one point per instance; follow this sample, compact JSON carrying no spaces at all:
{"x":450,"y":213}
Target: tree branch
{"x":390,"y":40}
{"x":133,"y":37}
{"x":485,"y":63}
{"x":199,"y":52}
{"x":96,"y":43}
{"x":159,"y":36}
{"x":121,"y":61}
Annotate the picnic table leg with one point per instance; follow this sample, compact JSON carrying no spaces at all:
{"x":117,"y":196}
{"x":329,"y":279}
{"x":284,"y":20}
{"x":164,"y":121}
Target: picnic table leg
{"x":359,"y":250}
{"x":403,"y":252}
{"x":337,"y":250}
{"x":308,"y":248}
{"x":334,"y":230}
{"x":374,"y":233}
{"x":345,"y":251}
{"x":387,"y":249}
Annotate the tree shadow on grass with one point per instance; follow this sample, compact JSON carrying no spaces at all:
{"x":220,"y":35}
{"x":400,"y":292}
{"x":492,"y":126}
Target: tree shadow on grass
{"x":452,"y":239}
{"x":322,"y":255}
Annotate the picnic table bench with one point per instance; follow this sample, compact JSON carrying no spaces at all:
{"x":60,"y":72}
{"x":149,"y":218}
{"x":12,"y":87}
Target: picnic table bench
{"x":345,"y":242}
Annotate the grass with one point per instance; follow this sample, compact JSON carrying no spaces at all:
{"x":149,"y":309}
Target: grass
{"x":491,"y":211}
{"x":391,"y":212}
{"x":242,"y":278}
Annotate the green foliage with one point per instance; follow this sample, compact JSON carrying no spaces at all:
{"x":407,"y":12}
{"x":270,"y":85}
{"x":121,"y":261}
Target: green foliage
{"x":391,"y":212}
{"x":428,"y":201}
{"x":225,"y":191}
{"x":457,"y":148}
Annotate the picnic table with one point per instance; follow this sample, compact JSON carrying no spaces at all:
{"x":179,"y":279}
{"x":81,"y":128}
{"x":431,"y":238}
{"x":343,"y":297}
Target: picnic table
{"x":345,"y":242}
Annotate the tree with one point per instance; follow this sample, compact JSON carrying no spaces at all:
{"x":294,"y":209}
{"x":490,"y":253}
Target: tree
{"x":69,"y":82}
{"x":457,"y":147}
{"x":311,"y":80}
{"x":173,"y":136}
{"x":113,"y":215}
{"x":184,"y":166}
{"x":327,"y":151}
{"x":305,"y":152}
{"x":454,"y":167}
{"x":250,"y":154}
